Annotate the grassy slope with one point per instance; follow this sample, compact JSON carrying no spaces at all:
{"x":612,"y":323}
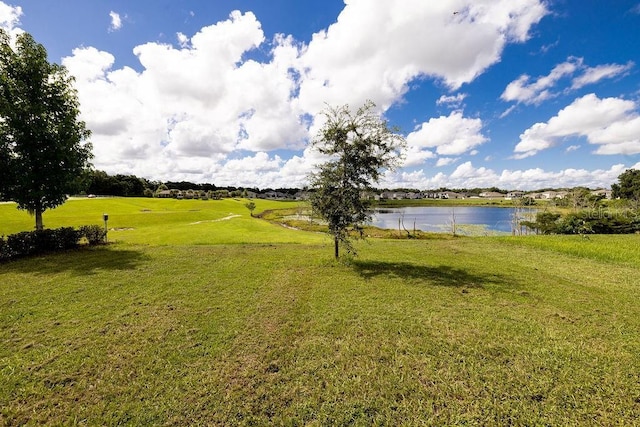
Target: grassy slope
{"x":164,"y":222}
{"x":447,"y":331}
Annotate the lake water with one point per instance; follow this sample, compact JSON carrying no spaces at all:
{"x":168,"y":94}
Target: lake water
{"x":467,"y":219}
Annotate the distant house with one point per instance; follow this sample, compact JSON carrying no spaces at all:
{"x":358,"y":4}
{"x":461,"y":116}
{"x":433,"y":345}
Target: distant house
{"x":274,"y":195}
{"x":550,"y":195}
{"x":514,"y":195}
{"x":391,"y":195}
{"x":369,"y":195}
{"x":301,"y":195}
{"x":606,"y":194}
{"x":450,"y":195}
{"x":164,"y":194}
{"x":491,"y":195}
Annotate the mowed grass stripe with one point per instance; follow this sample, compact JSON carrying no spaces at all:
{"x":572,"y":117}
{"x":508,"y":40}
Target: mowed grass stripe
{"x":442,"y":331}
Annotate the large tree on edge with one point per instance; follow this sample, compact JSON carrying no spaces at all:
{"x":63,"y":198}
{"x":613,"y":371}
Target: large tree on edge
{"x":628,"y":186}
{"x":42,"y":143}
{"x":359,"y":147}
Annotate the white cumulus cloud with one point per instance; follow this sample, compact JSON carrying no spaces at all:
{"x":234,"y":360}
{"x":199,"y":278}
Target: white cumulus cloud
{"x":444,"y":161}
{"x":452,"y":101}
{"x":612,"y":124}
{"x":195,"y":102}
{"x":595,"y":74}
{"x":450,"y":135}
{"x":377,"y":47}
{"x":10,"y":19}
{"x":200,"y":99}
{"x":523,"y":90}
{"x":116,"y":21}
{"x":466,"y":175}
{"x":183,"y":40}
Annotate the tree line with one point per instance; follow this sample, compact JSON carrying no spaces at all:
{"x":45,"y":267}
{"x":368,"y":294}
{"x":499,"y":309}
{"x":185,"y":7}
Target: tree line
{"x":120,"y":185}
{"x":99,"y":182}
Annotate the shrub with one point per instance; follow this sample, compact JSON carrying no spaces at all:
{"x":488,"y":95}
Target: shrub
{"x":29,"y":243}
{"x":45,"y":241}
{"x":4,"y":249}
{"x":545,"y":223}
{"x":21,"y":244}
{"x":66,"y":238}
{"x":586,"y":222}
{"x":94,"y":234}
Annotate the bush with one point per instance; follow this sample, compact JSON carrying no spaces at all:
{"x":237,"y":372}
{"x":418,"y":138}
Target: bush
{"x":4,"y":249}
{"x":28,"y":243}
{"x":21,"y":244}
{"x":66,"y":238}
{"x":45,"y":241}
{"x":94,"y":234}
{"x":587,"y":222}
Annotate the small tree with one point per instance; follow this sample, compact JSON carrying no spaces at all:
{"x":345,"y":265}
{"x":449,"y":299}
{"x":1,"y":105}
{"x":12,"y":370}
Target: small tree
{"x":251,"y":206}
{"x":42,"y":154}
{"x":359,"y":146}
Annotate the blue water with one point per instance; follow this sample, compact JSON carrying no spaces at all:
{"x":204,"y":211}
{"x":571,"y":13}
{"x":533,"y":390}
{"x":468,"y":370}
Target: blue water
{"x":440,"y":219}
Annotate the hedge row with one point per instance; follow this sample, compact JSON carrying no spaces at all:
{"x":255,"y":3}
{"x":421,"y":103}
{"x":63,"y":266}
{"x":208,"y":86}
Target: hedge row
{"x":28,"y":243}
{"x":586,"y":222}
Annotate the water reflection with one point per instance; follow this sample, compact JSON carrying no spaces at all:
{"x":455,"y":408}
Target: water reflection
{"x":443,"y":218}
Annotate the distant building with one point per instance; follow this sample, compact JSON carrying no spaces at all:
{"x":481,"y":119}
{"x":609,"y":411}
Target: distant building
{"x":606,"y":194}
{"x":550,"y":195}
{"x":491,"y":195}
{"x":514,"y":195}
{"x":274,"y":195}
{"x":164,"y":194}
{"x":450,"y":195}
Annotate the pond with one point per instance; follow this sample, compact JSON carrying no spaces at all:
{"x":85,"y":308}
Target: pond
{"x":466,"y":219}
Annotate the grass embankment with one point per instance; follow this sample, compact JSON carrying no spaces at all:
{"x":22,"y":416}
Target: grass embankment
{"x":525,"y":331}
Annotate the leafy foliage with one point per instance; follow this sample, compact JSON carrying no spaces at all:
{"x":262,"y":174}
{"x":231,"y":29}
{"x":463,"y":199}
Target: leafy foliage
{"x":359,"y":147}
{"x":41,"y":139}
{"x":251,"y":206}
{"x":94,"y":234}
{"x":99,"y":182}
{"x":587,"y":222}
{"x":29,"y":243}
{"x":628,"y":186}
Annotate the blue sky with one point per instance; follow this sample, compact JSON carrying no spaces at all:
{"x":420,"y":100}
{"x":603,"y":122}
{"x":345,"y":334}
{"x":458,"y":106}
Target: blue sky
{"x":518,"y":94}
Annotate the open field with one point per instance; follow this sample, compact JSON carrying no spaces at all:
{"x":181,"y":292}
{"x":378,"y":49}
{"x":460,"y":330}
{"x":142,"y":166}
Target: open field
{"x":200,"y":314}
{"x":164,"y":221}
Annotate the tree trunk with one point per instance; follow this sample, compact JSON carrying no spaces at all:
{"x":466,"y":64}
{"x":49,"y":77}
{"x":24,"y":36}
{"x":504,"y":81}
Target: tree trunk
{"x":335,"y":241}
{"x":38,"y":214}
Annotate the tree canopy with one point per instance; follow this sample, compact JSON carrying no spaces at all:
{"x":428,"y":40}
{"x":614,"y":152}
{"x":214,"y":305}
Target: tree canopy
{"x":42,"y":143}
{"x":359,"y":147}
{"x":628,"y":186}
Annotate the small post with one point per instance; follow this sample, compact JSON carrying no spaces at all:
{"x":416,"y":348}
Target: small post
{"x":106,"y":218}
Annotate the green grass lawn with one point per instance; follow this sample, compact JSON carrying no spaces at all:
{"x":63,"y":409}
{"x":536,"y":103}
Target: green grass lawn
{"x":242,"y":322}
{"x":164,"y":221}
